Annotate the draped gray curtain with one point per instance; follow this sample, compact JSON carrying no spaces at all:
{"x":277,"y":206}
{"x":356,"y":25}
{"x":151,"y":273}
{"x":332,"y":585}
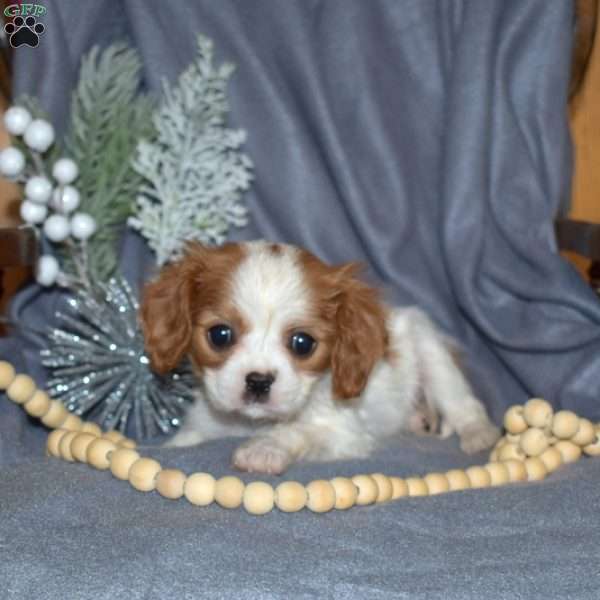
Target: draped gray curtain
{"x":426,"y":138}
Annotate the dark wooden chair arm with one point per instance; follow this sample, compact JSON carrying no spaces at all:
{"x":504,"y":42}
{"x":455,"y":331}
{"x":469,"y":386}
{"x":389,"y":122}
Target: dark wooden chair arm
{"x":580,"y":237}
{"x":18,"y":248}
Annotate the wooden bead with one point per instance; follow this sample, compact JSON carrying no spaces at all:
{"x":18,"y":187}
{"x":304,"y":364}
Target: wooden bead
{"x":593,"y":449}
{"x":90,"y":427}
{"x":384,"y":486}
{"x":199,"y":489}
{"x":569,"y":451}
{"x":72,"y":423}
{"x":416,"y":486}
{"x":514,"y":421}
{"x":142,"y":473}
{"x":127,"y":443}
{"x":38,"y":405}
{"x":498,"y":473}
{"x":114,"y":436}
{"x":80,"y":444}
{"x":565,"y":424}
{"x":229,"y":492}
{"x":259,"y":498}
{"x":538,"y":413}
{"x":437,"y":483}
{"x":516,"y":470}
{"x":291,"y":496}
{"x":98,"y":453}
{"x":551,"y":458}
{"x":586,"y":433}
{"x":367,"y":489}
{"x":511,"y":452}
{"x":479,"y":477}
{"x":53,"y":442}
{"x":21,"y":389}
{"x":533,"y":442}
{"x":399,"y":488}
{"x":346,"y":492}
{"x":64,"y":446}
{"x":458,"y":480}
{"x":494,"y":455}
{"x":536,"y":470}
{"x":170,"y":483}
{"x":120,"y":462}
{"x":56,"y":415}
{"x":321,"y":496}
{"x":7,"y":374}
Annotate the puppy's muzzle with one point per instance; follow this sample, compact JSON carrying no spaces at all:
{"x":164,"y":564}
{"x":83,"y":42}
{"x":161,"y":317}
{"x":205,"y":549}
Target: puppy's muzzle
{"x":258,"y":386}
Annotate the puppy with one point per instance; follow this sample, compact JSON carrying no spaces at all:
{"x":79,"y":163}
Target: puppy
{"x":302,"y":356}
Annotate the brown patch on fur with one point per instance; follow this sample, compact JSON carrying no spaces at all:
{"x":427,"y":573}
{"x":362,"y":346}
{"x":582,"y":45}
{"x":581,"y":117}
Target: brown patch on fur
{"x":203,"y":353}
{"x":320,"y":359}
{"x":354,"y":321}
{"x":173,"y":303}
{"x":276,"y":249}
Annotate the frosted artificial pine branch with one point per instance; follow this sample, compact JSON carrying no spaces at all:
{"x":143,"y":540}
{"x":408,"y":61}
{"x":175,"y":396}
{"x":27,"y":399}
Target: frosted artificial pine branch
{"x":194,"y":171}
{"x":108,"y":117}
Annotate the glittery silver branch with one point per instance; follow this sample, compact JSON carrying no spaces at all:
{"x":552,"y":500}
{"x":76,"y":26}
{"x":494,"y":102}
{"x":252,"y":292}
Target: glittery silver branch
{"x":99,"y":368}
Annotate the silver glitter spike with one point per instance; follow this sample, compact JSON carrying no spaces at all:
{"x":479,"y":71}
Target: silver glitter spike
{"x":98,"y":368}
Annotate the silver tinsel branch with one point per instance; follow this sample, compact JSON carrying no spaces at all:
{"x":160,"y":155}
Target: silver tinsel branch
{"x":99,"y":368}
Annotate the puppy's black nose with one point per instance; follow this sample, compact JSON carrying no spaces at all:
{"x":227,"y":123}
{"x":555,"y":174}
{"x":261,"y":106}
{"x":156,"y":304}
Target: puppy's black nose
{"x":259,"y":385}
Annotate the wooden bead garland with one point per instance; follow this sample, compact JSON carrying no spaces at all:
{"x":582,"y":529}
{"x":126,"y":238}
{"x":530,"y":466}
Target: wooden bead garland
{"x":537,"y":442}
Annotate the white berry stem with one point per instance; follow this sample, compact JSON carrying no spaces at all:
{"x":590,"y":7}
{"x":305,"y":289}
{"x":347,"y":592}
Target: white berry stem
{"x":38,"y":162}
{"x":80,"y":260}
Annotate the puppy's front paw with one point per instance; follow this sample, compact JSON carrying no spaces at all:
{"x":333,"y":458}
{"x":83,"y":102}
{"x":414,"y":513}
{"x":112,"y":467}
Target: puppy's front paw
{"x":262,"y":455}
{"x":478,"y":436}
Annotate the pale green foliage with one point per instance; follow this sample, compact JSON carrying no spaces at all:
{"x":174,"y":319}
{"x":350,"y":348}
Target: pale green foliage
{"x":108,"y":117}
{"x":194,"y":172}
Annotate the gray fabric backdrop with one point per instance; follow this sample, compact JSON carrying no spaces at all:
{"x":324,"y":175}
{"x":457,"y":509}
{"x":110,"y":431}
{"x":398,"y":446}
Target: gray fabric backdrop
{"x":427,"y":138}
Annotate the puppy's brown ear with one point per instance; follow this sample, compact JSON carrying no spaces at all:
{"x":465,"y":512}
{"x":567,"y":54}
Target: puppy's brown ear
{"x":166,"y":316}
{"x":361,"y":335}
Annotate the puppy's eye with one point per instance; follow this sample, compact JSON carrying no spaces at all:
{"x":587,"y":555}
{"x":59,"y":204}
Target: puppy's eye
{"x":302,"y":344}
{"x":220,"y":336}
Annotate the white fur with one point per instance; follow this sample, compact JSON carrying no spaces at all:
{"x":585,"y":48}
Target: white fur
{"x":301,"y":419}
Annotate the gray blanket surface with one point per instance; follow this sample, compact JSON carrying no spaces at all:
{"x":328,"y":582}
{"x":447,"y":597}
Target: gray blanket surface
{"x":427,"y":138}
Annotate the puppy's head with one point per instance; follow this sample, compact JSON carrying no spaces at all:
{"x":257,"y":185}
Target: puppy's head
{"x":262,"y":324}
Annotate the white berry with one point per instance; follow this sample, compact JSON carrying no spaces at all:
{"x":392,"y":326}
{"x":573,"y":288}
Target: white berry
{"x":12,"y":162}
{"x":65,"y":171}
{"x":47,"y":270}
{"x":39,"y":135}
{"x":65,"y":199}
{"x":32,"y":212}
{"x":38,"y":189}
{"x":16,"y":120}
{"x":82,"y":226}
{"x":56,"y":228}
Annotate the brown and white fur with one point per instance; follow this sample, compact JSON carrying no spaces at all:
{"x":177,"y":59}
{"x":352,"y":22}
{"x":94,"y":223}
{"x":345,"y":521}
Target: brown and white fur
{"x":374,"y":370}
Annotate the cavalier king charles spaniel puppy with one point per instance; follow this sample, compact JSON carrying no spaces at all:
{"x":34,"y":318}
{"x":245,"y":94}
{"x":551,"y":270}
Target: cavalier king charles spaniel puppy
{"x":303,"y":357}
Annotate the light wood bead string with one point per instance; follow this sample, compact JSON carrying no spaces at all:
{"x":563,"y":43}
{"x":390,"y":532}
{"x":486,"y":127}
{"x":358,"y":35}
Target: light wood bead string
{"x":537,"y":442}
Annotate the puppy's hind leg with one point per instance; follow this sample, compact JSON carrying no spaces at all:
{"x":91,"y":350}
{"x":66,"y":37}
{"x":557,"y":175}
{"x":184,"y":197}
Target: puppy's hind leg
{"x":448,"y":391}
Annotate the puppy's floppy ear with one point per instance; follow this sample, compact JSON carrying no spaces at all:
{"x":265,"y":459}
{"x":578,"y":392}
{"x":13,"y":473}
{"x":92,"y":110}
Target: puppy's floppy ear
{"x":166,"y":315}
{"x":361,"y":334}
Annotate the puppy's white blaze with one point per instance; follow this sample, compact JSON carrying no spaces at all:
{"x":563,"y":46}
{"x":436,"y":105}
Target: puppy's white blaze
{"x":269,"y":289}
